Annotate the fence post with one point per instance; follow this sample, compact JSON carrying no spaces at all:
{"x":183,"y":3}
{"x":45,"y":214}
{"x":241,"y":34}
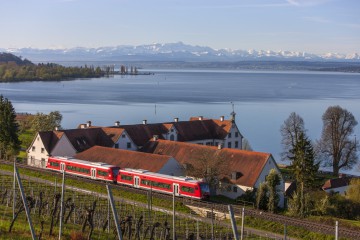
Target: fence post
{"x":113,"y":208}
{"x":233,"y":223}
{"x":25,"y":204}
{"x":62,"y":204}
{"x":336,"y":230}
{"x":242,"y":223}
{"x":14,"y":189}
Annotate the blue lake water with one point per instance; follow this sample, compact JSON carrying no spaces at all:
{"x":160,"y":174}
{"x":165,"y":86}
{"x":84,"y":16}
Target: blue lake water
{"x":262,"y":100}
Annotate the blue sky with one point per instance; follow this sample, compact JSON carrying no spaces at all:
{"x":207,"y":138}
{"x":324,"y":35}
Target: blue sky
{"x":317,"y":26}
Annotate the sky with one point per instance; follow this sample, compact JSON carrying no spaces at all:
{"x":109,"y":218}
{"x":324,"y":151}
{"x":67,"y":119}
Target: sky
{"x":314,"y":26}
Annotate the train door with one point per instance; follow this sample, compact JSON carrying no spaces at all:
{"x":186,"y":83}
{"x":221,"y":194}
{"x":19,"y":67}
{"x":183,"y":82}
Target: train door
{"x":136,"y":182}
{"x":93,"y":173}
{"x":62,"y":167}
{"x":176,"y":189}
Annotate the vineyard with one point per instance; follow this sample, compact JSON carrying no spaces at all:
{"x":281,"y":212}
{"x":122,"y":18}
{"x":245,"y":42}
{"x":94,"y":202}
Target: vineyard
{"x":88,"y":216}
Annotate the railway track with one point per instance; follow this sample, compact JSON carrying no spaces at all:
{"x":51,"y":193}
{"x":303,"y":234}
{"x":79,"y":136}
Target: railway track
{"x":219,"y":207}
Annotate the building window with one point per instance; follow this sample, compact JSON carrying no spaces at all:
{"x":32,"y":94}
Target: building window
{"x":128,"y":145}
{"x":33,"y":148}
{"x":116,"y":145}
{"x":229,"y":144}
{"x":236,"y":134}
{"x":229,"y":136}
{"x":172,"y":138}
{"x":172,"y":130}
{"x":234,"y":189}
{"x":42,"y":150}
{"x":123,"y":136}
{"x":32,"y":160}
{"x":208,"y":144}
{"x":236,"y":144}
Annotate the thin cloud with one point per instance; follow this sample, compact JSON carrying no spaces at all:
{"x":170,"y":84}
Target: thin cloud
{"x":306,"y":3}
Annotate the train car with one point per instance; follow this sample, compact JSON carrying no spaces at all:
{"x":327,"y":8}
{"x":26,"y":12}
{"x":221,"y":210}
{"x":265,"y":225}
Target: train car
{"x":180,"y":186}
{"x":93,"y":170}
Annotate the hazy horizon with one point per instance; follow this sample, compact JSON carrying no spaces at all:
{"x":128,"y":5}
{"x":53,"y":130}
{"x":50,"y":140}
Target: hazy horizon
{"x":315,"y":26}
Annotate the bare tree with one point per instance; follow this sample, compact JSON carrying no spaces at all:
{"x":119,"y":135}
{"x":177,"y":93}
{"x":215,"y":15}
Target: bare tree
{"x":338,"y":147}
{"x":290,"y":132}
{"x":208,"y":165}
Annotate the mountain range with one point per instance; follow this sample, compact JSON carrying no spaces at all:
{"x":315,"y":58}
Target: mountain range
{"x":172,"y":52}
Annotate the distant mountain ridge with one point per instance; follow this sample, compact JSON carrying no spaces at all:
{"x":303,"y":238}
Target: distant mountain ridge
{"x":173,"y":52}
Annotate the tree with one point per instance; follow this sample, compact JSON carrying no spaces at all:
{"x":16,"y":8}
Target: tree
{"x":290,"y":131}
{"x":246,"y":145}
{"x":208,"y":165}
{"x":303,"y":163}
{"x":353,"y":193}
{"x":46,"y":122}
{"x":9,"y":140}
{"x":336,"y":147}
{"x":273,"y":180}
{"x":262,"y":196}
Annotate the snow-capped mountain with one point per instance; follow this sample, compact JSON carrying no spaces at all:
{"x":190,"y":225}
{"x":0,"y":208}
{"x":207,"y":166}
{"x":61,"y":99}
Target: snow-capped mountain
{"x":172,"y":52}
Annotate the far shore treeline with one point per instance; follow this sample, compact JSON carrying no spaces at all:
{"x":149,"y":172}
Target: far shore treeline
{"x":13,"y":68}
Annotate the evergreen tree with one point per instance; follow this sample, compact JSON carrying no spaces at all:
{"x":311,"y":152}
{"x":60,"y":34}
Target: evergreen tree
{"x":261,"y":196}
{"x":303,"y":162}
{"x":304,"y":169}
{"x":273,"y":180}
{"x":9,"y":140}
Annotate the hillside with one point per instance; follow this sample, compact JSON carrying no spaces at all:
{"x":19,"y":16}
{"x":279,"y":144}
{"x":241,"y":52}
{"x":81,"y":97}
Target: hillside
{"x":8,"y":58}
{"x":13,"y":68}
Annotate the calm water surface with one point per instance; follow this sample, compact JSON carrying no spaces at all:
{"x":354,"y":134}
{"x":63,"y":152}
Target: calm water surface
{"x":262,"y":100}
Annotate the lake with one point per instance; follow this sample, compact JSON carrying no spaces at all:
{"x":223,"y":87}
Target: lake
{"x":262,"y":100}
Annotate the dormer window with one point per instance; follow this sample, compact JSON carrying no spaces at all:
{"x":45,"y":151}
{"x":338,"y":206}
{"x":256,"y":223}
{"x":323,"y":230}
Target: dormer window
{"x":123,"y":136}
{"x":235,"y":175}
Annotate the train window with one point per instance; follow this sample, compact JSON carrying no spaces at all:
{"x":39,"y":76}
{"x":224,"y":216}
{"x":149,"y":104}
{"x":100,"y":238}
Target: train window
{"x":102,"y":173}
{"x":155,"y":184}
{"x":126,"y":178}
{"x":187,"y":189}
{"x":54,"y":164}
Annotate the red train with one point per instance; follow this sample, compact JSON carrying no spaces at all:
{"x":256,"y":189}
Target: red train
{"x":138,"y":178}
{"x":180,"y":186}
{"x":94,"y":170}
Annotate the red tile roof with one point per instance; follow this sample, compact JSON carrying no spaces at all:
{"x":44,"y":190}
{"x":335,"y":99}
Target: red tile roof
{"x":124,"y":158}
{"x":50,"y":139}
{"x":336,"y":183}
{"x":249,"y":164}
{"x":187,"y":130}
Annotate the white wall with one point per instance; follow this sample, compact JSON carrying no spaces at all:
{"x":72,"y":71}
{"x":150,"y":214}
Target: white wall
{"x":38,"y":153}
{"x":63,"y":148}
{"x":233,"y":130}
{"x":172,"y":167}
{"x":271,"y":164}
{"x":123,"y":140}
{"x":339,"y":190}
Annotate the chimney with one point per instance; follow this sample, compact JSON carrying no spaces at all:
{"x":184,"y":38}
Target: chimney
{"x":88,"y":124}
{"x":220,"y":146}
{"x":117,"y":124}
{"x":200,"y":118}
{"x":144,"y":121}
{"x":155,"y":137}
{"x":176,"y":119}
{"x":221,"y":118}
{"x":82,"y":125}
